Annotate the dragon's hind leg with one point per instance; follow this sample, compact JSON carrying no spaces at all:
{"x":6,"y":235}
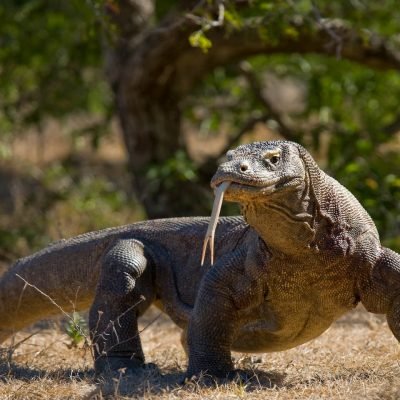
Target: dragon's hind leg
{"x":393,"y":318}
{"x":380,"y":289}
{"x":391,"y":260}
{"x":124,"y":291}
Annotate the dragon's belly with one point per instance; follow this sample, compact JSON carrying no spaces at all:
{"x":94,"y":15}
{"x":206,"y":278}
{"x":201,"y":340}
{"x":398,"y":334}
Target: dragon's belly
{"x":291,"y":316}
{"x":262,"y":335}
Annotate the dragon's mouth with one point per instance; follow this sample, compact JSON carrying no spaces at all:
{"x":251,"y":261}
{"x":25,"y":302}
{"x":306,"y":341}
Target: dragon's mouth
{"x":242,"y":184}
{"x":233,"y":188}
{"x":220,"y":187}
{"x":238,"y":187}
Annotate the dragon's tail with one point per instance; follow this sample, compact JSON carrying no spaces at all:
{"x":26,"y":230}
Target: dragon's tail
{"x":51,"y":282}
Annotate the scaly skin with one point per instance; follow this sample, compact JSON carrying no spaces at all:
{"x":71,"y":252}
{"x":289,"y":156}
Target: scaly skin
{"x":305,"y":253}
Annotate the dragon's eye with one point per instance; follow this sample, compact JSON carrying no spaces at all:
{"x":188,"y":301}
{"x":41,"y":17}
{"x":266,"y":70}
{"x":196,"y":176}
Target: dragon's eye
{"x":272,"y":156}
{"x":274,"y":159}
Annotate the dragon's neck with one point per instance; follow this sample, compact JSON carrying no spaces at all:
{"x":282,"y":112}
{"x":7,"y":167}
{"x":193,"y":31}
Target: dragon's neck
{"x":288,"y":221}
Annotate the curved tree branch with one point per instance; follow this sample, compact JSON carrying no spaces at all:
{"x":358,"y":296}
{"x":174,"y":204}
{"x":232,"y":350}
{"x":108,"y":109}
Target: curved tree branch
{"x":373,"y":52}
{"x":151,"y":69}
{"x":173,"y":67}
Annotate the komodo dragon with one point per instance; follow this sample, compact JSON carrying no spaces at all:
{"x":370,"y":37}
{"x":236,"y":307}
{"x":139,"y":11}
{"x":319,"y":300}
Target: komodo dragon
{"x":305,"y":253}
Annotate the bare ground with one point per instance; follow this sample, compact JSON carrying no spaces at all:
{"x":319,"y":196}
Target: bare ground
{"x":357,"y":358}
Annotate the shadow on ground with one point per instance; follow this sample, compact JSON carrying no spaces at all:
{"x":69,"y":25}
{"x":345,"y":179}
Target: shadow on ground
{"x":151,"y":381}
{"x":26,"y":374}
{"x":155,"y":383}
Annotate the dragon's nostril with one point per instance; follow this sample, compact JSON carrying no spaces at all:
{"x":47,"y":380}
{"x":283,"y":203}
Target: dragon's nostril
{"x":244,"y":166}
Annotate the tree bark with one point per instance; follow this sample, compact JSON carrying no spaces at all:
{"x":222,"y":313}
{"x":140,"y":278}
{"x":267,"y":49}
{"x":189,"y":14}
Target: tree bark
{"x":151,"y":70}
{"x":143,"y":76}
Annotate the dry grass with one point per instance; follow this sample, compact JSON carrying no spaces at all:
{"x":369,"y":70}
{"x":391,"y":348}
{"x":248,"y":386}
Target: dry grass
{"x":356,"y":359}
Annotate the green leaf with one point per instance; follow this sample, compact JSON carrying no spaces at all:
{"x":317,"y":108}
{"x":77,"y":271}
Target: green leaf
{"x":199,"y":39}
{"x":76,"y":329}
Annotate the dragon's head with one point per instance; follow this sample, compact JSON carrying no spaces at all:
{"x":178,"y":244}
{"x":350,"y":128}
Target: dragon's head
{"x":257,"y":171}
{"x":262,"y":174}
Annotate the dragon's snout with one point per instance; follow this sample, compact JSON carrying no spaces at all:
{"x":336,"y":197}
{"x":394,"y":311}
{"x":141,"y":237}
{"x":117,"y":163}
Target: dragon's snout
{"x":236,"y":170}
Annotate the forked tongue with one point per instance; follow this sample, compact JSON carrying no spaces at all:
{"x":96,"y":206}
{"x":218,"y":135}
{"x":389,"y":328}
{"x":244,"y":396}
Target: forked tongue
{"x":209,"y":238}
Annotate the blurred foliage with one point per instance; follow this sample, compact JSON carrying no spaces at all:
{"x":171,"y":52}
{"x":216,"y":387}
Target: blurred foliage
{"x":51,"y":66}
{"x":64,"y":200}
{"x":51,"y":63}
{"x":176,"y":169}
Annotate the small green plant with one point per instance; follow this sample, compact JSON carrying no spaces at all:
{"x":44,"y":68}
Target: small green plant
{"x":76,"y":329}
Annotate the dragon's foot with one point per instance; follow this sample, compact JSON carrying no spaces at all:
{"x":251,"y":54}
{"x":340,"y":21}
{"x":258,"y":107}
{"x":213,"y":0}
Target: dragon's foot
{"x":209,"y":379}
{"x":122,"y":376}
{"x":121,"y":366}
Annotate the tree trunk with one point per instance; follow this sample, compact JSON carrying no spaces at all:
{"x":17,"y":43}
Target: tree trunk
{"x":151,"y":129}
{"x":142,"y":68}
